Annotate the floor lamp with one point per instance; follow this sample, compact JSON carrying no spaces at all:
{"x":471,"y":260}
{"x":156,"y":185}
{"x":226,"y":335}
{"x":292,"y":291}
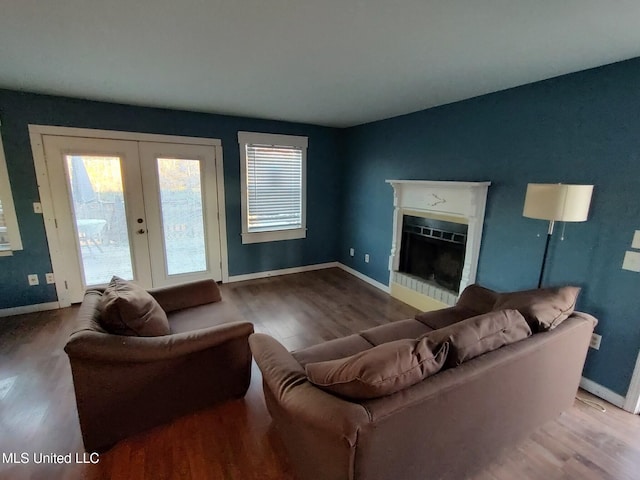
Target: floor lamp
{"x":556,"y":202}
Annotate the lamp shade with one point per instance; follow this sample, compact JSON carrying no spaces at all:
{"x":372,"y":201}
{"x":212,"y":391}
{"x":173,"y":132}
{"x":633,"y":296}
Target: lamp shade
{"x":557,"y":201}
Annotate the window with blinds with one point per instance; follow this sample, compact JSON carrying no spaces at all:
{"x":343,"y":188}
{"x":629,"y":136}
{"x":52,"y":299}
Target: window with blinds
{"x":9,"y":234}
{"x":4,"y":235}
{"x":273,"y":186}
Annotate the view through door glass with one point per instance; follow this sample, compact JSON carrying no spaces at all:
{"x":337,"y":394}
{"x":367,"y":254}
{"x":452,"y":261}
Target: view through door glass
{"x":98,"y":207}
{"x":180,"y":186}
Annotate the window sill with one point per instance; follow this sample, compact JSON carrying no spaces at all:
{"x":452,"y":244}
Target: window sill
{"x":274,"y":235}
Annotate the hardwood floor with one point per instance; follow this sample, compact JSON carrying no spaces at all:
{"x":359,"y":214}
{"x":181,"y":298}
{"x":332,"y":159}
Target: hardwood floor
{"x":234,"y":440}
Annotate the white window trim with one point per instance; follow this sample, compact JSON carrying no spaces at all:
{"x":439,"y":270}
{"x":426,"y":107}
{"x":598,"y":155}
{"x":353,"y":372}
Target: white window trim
{"x":8,"y":208}
{"x":245,"y":138}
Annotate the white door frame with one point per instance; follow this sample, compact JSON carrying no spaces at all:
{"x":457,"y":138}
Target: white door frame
{"x":632,"y":400}
{"x":44,"y":189}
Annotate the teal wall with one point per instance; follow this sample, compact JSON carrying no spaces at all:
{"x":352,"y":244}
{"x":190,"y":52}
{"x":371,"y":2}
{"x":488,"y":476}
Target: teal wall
{"x":17,"y":110}
{"x":580,"y":128}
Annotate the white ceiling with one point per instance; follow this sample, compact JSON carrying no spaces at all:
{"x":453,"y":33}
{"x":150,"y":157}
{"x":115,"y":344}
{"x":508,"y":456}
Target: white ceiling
{"x":328,"y":62}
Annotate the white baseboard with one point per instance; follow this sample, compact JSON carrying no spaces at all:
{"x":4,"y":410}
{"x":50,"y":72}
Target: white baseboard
{"x":363,"y":277}
{"x":602,"y":392}
{"x":284,"y":271}
{"x":38,"y":307}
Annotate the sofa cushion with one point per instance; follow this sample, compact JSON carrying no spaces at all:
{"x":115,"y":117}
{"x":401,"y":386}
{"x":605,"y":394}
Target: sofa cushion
{"x":481,"y":334}
{"x":338,"y":348}
{"x":390,"y":332}
{"x":381,"y":370}
{"x":543,"y":308}
{"x":187,"y":295}
{"x":203,"y":316}
{"x":128,"y":309}
{"x":477,"y":299}
{"x":444,"y":317}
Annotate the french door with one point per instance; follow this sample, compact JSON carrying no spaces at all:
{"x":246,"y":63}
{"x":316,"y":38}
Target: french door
{"x":144,"y":211}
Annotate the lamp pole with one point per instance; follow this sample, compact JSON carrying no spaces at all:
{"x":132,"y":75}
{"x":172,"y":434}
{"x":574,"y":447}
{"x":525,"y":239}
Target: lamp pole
{"x":546,"y":250}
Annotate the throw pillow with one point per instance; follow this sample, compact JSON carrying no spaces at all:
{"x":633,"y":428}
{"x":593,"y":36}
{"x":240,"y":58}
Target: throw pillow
{"x":128,"y":309}
{"x":381,"y":370}
{"x":543,"y":308}
{"x":481,"y":334}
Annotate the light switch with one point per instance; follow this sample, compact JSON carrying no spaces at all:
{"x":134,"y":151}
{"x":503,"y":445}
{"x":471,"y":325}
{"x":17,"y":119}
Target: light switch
{"x":631,"y":261}
{"x":636,"y":240}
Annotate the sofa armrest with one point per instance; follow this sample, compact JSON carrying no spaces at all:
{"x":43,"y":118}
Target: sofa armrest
{"x":287,"y":381}
{"x":98,"y":346}
{"x":586,"y":316}
{"x":186,"y":295}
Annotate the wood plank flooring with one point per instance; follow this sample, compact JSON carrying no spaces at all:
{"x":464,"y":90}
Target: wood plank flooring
{"x":235,"y":440}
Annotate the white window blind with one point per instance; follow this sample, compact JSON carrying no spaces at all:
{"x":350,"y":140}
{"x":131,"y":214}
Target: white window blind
{"x":273,"y":184}
{"x":274,"y":187}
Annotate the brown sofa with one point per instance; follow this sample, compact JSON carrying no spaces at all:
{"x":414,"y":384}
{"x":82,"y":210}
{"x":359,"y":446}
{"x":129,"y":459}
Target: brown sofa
{"x":127,"y":384}
{"x":446,"y":426}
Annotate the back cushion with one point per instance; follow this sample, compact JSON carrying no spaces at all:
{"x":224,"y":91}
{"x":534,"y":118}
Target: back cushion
{"x":381,"y":370}
{"x":481,"y":334}
{"x":444,"y":317}
{"x":390,"y":332}
{"x":478,"y":299}
{"x":128,"y":309}
{"x":543,"y":308}
{"x":337,"y":348}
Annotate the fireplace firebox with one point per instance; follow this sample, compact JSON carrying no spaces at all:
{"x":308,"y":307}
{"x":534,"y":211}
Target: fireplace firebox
{"x":433,"y":250}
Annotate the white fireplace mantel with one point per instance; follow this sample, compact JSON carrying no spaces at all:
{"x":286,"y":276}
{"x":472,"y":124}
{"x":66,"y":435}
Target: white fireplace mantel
{"x":461,"y":202}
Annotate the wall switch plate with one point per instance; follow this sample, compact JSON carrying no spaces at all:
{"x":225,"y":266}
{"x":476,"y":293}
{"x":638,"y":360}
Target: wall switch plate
{"x":631,"y":261}
{"x":366,"y":258}
{"x":50,"y":278}
{"x":636,"y":240}
{"x":33,"y":279}
{"x":37,"y":207}
{"x":352,"y":252}
{"x":595,"y":341}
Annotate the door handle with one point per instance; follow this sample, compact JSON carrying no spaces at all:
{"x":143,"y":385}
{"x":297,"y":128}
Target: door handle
{"x":141,"y":231}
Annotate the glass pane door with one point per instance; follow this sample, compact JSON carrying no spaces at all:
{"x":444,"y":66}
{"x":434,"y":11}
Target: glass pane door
{"x":181,"y":205}
{"x":97,"y":196}
{"x":183,"y":230}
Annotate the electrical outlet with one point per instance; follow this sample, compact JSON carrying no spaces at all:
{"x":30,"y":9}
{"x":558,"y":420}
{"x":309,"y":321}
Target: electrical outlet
{"x":366,"y":258}
{"x":37,"y":207}
{"x":50,"y":278}
{"x":595,"y":341}
{"x":33,"y":279}
{"x":631,"y":261}
{"x":352,"y":252}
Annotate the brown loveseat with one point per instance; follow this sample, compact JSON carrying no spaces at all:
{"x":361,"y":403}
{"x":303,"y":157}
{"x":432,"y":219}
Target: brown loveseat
{"x":446,"y":426}
{"x":127,"y":384}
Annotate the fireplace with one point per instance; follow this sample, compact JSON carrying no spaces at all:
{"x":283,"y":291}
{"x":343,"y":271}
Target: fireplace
{"x":436,"y":240}
{"x":433,"y":250}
